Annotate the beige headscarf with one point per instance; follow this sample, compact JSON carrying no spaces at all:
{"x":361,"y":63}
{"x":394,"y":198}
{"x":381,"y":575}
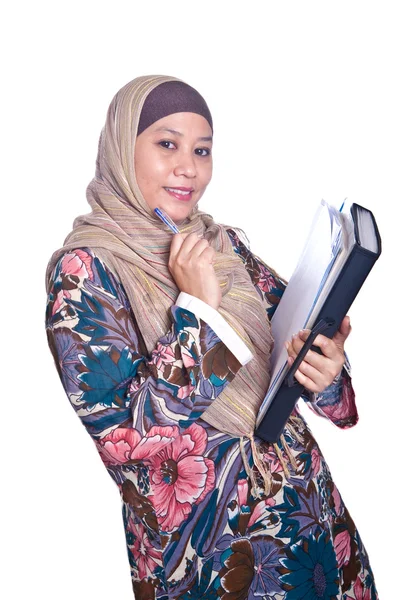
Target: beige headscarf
{"x":134,"y":243}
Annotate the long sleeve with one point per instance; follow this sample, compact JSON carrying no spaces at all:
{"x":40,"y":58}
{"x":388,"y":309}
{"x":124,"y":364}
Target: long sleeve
{"x":337,"y":401}
{"x":111,"y":382}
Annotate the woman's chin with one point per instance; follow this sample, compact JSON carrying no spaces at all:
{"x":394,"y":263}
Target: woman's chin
{"x":179,"y":214}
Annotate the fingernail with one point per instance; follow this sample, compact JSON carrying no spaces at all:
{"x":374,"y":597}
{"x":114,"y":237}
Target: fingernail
{"x":286,"y":345}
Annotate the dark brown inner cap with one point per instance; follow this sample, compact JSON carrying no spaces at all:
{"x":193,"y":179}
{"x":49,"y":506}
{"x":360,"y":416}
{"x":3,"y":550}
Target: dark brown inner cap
{"x":172,"y":97}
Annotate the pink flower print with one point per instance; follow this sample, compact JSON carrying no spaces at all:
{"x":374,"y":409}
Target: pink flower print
{"x":272,"y":459}
{"x":77,"y":263}
{"x":344,"y":412}
{"x":361,"y":591}
{"x":162,"y":356}
{"x":185,"y":391}
{"x":116,"y":447}
{"x":261,"y":512}
{"x":156,"y":439}
{"x":146,"y":556}
{"x":181,"y":477}
{"x":133,"y":387}
{"x":59,"y":301}
{"x":315,"y":461}
{"x":243,"y":488}
{"x":342,"y":547}
{"x":266,"y":281}
{"x":123,"y":445}
{"x":337,"y":500}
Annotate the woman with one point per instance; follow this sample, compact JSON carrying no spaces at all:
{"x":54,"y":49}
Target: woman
{"x":162,"y":343}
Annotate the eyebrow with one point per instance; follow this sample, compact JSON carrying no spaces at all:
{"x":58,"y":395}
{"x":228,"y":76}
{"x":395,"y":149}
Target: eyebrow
{"x":202,"y":139}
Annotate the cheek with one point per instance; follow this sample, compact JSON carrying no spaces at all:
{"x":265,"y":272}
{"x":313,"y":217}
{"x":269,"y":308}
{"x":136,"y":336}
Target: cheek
{"x":149,"y":172}
{"x":206,"y":175}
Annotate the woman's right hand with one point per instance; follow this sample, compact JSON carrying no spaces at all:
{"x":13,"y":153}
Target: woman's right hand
{"x":191,"y":265}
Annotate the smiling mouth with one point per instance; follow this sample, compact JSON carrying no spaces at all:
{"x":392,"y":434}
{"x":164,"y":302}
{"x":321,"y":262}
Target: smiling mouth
{"x":183,"y":191}
{"x":180,"y":194}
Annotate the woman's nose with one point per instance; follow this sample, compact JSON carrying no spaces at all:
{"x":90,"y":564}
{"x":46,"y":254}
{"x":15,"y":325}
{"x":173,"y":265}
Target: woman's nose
{"x":185,"y":165}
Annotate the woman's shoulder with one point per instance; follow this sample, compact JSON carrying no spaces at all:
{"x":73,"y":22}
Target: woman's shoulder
{"x":238,"y":236}
{"x":79,"y":264}
{"x":82,"y":270}
{"x":258,"y":269}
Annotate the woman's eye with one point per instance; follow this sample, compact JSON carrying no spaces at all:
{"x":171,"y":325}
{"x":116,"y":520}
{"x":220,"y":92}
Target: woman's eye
{"x":165,"y":142}
{"x":207,"y":151}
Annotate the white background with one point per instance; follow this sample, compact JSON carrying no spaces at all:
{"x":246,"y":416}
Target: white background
{"x":305,"y":101}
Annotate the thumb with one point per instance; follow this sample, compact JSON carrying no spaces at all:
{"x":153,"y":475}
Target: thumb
{"x":343,"y":332}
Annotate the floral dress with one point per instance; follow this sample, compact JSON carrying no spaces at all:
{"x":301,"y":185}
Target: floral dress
{"x":193,"y":528}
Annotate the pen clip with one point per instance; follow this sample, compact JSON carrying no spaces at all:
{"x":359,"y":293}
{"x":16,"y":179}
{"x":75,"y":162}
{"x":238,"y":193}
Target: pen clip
{"x":321,"y":326}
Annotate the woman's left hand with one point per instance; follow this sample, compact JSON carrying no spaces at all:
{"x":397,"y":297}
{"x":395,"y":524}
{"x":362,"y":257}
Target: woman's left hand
{"x":317,"y":371}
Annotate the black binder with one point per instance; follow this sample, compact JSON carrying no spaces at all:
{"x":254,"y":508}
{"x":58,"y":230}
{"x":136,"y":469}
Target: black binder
{"x":352,"y":276}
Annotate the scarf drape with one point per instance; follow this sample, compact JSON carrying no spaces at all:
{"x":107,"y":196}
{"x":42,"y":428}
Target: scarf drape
{"x":123,"y":231}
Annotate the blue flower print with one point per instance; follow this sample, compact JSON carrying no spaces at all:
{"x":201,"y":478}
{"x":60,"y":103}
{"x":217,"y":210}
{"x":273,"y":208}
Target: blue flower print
{"x":311,"y":572}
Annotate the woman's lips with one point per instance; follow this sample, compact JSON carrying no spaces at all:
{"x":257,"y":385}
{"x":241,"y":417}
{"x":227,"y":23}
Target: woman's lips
{"x":179,"y":196}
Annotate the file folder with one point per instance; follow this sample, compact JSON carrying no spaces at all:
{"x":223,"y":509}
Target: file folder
{"x":274,"y":413}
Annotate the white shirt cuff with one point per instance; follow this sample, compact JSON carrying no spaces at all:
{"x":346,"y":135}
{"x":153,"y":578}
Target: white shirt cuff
{"x":224,"y":331}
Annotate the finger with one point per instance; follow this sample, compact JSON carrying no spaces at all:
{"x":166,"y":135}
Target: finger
{"x":199,"y":248}
{"x":314,"y":358}
{"x":343,"y":332}
{"x":317,"y":367}
{"x":208,"y":254}
{"x":189,"y":243}
{"x":310,"y":378}
{"x":176,"y":243}
{"x":290,"y":349}
{"x":304,"y":380}
{"x":322,"y":378}
{"x":345,"y":326}
{"x":296,"y":345}
{"x":327,"y":346}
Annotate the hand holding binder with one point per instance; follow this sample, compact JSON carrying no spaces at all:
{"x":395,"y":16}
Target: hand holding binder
{"x":333,"y":355}
{"x":320,"y":327}
{"x":338,"y":256}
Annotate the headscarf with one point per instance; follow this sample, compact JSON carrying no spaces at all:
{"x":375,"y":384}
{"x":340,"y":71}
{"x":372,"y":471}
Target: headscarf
{"x":125,"y":233}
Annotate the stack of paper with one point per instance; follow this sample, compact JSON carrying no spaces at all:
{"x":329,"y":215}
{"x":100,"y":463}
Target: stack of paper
{"x":329,"y":244}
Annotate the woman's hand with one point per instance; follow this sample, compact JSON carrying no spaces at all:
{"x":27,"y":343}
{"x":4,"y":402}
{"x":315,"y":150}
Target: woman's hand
{"x":191,"y":265}
{"x":317,"y":371}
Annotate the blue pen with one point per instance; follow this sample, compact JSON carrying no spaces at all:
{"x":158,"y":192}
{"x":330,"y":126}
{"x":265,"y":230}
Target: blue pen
{"x":166,"y":219}
{"x":340,"y":209}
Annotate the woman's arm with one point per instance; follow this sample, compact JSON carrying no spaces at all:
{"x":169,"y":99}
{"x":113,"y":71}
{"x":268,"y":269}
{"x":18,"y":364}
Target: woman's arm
{"x":111,"y":382}
{"x":337,"y":401}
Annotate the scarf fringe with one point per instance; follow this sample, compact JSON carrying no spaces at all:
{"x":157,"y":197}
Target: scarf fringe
{"x":254,"y":487}
{"x":282,"y":460}
{"x":263,"y":466}
{"x":294,"y":432}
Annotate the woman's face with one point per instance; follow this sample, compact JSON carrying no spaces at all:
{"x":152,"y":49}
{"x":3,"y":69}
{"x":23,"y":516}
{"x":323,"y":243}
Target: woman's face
{"x":172,"y":156}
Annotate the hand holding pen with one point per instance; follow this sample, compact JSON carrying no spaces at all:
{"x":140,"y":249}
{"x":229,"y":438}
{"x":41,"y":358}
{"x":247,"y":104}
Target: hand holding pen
{"x":191,"y":264}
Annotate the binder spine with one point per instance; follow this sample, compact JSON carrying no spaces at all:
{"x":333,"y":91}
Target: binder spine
{"x":278,"y":412}
{"x":346,"y":288}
